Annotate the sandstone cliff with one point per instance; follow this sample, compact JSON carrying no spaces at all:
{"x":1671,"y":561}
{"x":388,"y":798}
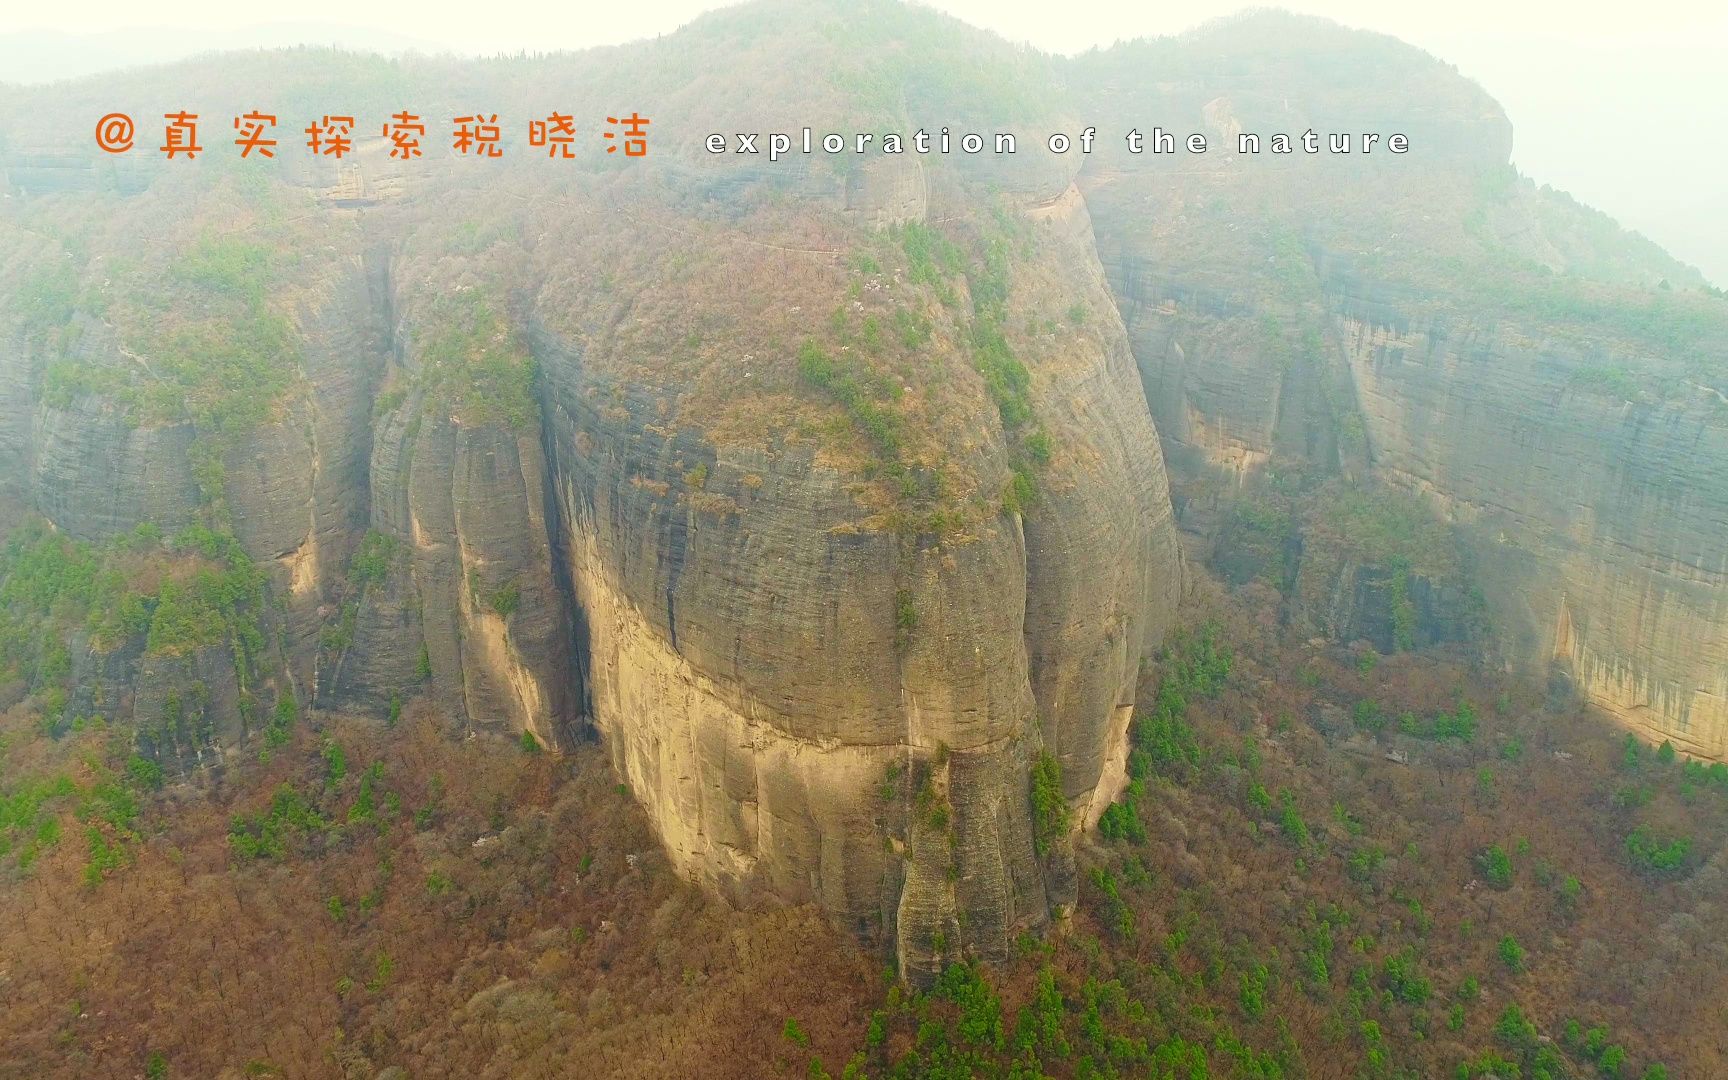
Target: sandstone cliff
{"x":829,"y":494}
{"x":829,"y":564}
{"x":1436,"y":326}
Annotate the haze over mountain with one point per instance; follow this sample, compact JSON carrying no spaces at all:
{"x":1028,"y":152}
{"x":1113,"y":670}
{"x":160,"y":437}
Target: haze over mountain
{"x":34,"y":56}
{"x":1608,"y":104}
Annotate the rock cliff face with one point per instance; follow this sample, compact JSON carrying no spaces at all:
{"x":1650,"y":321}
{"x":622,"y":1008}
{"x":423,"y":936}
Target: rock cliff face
{"x":829,"y":494}
{"x":1601,"y":519}
{"x":820,"y":707}
{"x":1397,"y":322}
{"x":828,"y":563}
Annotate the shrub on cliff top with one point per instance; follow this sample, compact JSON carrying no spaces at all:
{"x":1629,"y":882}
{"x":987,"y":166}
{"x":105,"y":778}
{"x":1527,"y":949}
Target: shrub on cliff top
{"x":202,"y":345}
{"x":1511,"y":953}
{"x":475,"y":364}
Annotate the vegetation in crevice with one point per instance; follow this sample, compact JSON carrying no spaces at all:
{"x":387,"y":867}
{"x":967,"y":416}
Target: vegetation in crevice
{"x":1049,"y":806}
{"x":905,"y":619}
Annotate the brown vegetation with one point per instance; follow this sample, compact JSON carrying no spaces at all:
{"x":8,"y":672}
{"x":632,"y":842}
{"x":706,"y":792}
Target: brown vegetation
{"x":502,"y":914}
{"x":1301,"y":905}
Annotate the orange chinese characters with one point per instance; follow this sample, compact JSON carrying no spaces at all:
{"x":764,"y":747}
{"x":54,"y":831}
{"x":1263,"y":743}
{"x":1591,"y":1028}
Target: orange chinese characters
{"x":251,"y":128}
{"x":180,"y":136}
{"x":556,"y":133}
{"x":332,"y":136}
{"x":404,"y":130}
{"x":635,"y":135}
{"x":477,"y":135}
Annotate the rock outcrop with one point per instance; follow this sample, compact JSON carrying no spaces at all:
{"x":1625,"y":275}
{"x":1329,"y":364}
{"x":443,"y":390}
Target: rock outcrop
{"x":812,"y":703}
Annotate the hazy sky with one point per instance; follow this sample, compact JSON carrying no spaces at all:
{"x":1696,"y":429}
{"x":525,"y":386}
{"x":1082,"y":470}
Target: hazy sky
{"x":1621,"y":105}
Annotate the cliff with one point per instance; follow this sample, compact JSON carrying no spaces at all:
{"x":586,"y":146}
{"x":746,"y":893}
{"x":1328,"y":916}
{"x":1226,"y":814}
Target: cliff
{"x":830,"y":565}
{"x":830,"y":495}
{"x":1435,"y":326}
